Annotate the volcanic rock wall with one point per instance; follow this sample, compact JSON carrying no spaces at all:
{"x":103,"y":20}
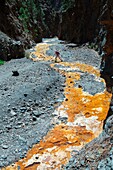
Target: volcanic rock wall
{"x":12,"y":37}
{"x":76,"y":21}
{"x":80,"y":22}
{"x":25,"y":22}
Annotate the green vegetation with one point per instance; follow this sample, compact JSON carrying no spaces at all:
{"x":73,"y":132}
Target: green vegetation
{"x":32,"y":14}
{"x":93,"y":45}
{"x":65,"y":4}
{"x":24,"y":17}
{"x":1,"y":62}
{"x":28,"y":13}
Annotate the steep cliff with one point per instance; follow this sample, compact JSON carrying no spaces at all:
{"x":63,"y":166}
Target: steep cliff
{"x":76,"y":21}
{"x":24,"y":22}
{"x":80,"y":22}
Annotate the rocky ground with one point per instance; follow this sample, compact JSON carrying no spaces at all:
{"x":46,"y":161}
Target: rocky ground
{"x":30,"y":92}
{"x":98,"y":154}
{"x":26,"y":104}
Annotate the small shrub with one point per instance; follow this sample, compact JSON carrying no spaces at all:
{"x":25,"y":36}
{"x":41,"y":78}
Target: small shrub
{"x":28,"y":12}
{"x":66,"y":4}
{"x":1,"y":62}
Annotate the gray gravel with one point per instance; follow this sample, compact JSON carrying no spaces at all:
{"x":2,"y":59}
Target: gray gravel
{"x":28,"y":100}
{"x":26,"y":104}
{"x":89,"y":83}
{"x":77,"y":54}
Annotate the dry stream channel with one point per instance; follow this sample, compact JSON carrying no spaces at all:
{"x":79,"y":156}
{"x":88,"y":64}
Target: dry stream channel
{"x":79,"y":118}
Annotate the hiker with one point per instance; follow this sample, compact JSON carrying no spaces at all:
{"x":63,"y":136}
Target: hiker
{"x":57,"y":55}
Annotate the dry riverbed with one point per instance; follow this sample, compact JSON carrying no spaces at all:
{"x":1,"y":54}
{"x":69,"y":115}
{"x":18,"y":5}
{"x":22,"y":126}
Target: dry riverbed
{"x":60,"y":106}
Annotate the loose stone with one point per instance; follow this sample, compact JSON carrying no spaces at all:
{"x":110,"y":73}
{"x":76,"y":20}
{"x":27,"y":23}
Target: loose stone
{"x":36,"y":113}
{"x":13,"y":113}
{"x":5,"y":146}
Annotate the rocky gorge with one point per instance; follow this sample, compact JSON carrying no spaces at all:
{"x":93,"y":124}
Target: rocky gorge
{"x":28,"y":101}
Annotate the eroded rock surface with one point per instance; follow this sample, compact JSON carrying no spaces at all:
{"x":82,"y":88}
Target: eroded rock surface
{"x":10,"y":48}
{"x":98,"y":154}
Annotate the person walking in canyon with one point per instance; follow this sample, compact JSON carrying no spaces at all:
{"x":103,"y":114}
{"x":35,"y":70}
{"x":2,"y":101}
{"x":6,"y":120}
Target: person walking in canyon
{"x":57,"y":56}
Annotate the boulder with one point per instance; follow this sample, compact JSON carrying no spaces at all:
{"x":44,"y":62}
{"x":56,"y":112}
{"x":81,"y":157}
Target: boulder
{"x":10,"y":48}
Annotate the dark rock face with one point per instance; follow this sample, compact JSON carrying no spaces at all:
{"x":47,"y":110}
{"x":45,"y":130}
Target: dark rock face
{"x":25,"y":22}
{"x":107,"y":58}
{"x":10,"y":48}
{"x":13,"y":39}
{"x":10,"y":23}
{"x":107,"y":21}
{"x":86,"y":20}
{"x":80,"y":22}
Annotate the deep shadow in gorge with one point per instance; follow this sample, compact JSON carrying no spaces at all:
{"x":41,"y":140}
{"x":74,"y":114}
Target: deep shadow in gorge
{"x":107,"y":75}
{"x":107,"y":57}
{"x":80,"y":22}
{"x":74,"y":21}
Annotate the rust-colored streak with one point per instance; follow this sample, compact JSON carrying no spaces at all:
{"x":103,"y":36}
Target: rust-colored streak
{"x":60,"y":138}
{"x":81,"y":109}
{"x":78,"y":102}
{"x":40,"y":53}
{"x":79,"y":66}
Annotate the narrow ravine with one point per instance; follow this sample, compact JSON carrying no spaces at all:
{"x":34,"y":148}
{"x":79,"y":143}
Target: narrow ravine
{"x":77,"y":121}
